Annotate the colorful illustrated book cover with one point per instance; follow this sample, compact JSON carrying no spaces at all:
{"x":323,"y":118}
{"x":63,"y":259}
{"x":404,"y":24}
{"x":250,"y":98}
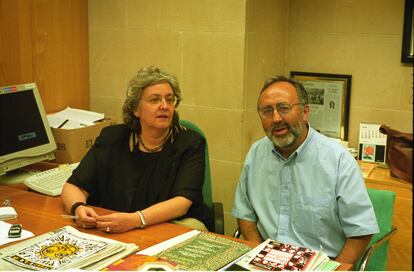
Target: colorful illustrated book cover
{"x":139,"y":262}
{"x":62,"y":249}
{"x":277,"y":256}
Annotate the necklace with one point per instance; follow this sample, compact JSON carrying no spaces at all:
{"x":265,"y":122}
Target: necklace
{"x":154,"y":149}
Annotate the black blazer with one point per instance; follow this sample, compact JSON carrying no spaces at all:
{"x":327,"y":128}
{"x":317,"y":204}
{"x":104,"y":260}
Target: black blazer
{"x":126,"y":181}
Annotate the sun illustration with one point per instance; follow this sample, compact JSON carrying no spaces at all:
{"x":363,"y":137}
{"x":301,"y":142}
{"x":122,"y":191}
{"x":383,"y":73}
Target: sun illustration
{"x":58,"y":251}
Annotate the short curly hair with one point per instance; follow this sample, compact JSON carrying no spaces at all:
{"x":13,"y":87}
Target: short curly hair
{"x":145,"y":77}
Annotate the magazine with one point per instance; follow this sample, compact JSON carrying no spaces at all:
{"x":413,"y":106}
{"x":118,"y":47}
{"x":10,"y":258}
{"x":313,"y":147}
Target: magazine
{"x":62,"y":249}
{"x":277,"y":256}
{"x":204,"y":251}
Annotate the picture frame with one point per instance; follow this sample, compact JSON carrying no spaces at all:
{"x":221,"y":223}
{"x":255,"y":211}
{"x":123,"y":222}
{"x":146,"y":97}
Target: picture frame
{"x":407,"y":52}
{"x":329,"y":100}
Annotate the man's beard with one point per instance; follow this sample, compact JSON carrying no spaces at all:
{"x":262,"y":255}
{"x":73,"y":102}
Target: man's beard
{"x":288,"y":139}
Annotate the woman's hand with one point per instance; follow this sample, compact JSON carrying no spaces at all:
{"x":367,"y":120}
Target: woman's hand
{"x":118,"y":222}
{"x":86,"y":217}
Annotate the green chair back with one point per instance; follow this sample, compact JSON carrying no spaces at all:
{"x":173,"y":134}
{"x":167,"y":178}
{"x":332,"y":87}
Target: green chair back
{"x":207,"y":194}
{"x":383,"y":203}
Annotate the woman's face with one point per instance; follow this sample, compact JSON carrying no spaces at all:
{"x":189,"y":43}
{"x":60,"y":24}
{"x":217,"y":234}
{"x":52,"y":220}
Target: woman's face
{"x":156,"y":108}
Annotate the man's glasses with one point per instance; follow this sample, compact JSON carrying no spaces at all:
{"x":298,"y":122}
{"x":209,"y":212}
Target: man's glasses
{"x":282,"y":108}
{"x":156,"y":100}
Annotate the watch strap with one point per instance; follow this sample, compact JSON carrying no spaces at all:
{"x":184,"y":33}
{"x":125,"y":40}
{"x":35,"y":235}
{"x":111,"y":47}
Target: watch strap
{"x":75,"y":206}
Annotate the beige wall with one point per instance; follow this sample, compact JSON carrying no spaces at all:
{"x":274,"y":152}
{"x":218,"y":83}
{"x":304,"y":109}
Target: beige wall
{"x":203,"y":43}
{"x":222,"y":50}
{"x":362,"y":39}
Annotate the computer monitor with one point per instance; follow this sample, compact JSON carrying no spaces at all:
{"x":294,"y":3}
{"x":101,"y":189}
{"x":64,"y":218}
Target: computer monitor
{"x":25,"y":134}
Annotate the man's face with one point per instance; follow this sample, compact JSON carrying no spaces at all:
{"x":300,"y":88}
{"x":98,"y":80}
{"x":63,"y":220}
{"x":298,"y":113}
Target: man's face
{"x":285,"y":130}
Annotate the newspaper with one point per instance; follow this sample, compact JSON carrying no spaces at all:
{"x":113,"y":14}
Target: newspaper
{"x":326,"y":105}
{"x":62,"y":249}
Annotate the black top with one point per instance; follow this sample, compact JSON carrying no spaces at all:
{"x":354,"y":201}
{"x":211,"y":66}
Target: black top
{"x":126,"y":181}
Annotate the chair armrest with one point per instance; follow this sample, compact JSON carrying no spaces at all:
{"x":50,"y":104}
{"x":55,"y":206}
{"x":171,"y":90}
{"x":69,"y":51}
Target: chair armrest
{"x":374,"y":246}
{"x":218,"y":217}
{"x":237,"y":233}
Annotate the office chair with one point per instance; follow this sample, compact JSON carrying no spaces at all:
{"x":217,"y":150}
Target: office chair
{"x":375,"y":255}
{"x":216,"y":207}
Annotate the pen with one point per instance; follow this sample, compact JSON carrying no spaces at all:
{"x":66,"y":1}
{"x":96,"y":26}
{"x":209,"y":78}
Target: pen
{"x":61,"y":125}
{"x":67,"y":216}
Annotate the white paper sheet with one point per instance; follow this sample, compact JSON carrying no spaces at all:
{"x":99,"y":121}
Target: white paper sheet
{"x":155,"y":249}
{"x":82,"y":117}
{"x":7,"y":213}
{"x":4,"y":231}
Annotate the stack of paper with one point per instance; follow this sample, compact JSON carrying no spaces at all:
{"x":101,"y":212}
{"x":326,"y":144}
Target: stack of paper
{"x":7,"y":213}
{"x":63,"y":249}
{"x":73,"y":118}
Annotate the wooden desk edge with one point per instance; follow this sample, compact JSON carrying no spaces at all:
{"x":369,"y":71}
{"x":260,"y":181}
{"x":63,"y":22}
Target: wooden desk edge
{"x":146,"y":236}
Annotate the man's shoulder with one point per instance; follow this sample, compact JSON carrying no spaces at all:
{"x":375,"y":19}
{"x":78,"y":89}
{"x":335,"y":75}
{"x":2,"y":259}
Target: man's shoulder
{"x":328,"y":149}
{"x":327,"y":143}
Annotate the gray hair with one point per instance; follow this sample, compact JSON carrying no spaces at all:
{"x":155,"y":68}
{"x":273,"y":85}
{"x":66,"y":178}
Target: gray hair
{"x":145,"y":77}
{"x":300,"y":90}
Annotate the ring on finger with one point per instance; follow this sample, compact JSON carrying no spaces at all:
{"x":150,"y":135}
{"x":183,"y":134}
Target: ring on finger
{"x":108,"y":229}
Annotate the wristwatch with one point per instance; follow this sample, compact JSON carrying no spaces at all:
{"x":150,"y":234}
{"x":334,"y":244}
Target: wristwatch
{"x":75,"y":206}
{"x":143,"y":222}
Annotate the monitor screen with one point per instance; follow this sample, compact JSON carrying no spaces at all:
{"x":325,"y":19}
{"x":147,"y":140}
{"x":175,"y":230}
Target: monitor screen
{"x":25,"y":135}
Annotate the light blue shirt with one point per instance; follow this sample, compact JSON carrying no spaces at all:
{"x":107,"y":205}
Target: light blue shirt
{"x":315,"y":198}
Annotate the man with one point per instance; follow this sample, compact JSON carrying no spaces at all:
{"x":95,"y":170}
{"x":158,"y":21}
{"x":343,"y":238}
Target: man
{"x":298,"y":186}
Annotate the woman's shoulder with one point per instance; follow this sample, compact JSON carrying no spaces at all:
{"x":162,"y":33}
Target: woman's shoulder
{"x":188,"y":136}
{"x":114,"y":133}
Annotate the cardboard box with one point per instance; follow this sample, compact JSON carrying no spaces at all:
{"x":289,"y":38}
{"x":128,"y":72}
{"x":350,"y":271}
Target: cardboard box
{"x":72,"y":144}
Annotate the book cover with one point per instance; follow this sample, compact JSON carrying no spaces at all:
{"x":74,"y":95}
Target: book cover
{"x":204,"y":251}
{"x":140,"y":262}
{"x":276,"y":256}
{"x":280,"y":256}
{"x":62,"y":249}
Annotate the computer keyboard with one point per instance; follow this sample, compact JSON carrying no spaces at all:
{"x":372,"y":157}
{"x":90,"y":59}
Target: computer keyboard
{"x":50,"y":182}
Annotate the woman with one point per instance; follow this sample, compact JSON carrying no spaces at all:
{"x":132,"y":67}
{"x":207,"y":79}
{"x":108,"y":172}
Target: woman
{"x":149,"y":169}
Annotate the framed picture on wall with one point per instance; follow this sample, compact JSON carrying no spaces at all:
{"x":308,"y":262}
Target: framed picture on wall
{"x":329,"y":98}
{"x":407,"y":53}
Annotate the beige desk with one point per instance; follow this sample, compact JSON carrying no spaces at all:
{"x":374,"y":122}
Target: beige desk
{"x":399,"y":256}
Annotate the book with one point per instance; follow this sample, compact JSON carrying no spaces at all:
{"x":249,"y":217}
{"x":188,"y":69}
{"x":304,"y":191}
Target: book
{"x":276,"y":256}
{"x":204,"y":251}
{"x":62,"y":249}
{"x":141,"y":262}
